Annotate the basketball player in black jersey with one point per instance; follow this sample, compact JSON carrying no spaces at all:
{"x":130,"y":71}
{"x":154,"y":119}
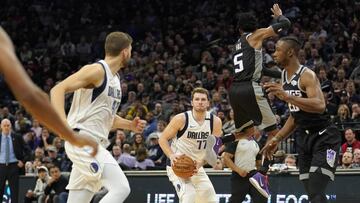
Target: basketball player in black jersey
{"x":319,"y":140}
{"x":245,"y":94}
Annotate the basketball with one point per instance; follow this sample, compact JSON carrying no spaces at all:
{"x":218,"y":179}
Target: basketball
{"x":184,"y":167}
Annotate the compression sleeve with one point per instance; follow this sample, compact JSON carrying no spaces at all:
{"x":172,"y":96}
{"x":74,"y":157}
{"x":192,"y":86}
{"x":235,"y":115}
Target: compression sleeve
{"x":271,"y":72}
{"x":283,"y":23}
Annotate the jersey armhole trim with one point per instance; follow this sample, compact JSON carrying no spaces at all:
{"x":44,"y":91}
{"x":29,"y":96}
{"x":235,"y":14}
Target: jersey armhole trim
{"x":303,"y":68}
{"x":98,"y":90}
{"x":181,"y":132}
{"x":211,"y":123}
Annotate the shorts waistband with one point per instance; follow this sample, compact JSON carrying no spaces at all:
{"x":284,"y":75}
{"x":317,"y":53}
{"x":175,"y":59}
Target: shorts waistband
{"x":100,"y":140}
{"x":316,"y":129}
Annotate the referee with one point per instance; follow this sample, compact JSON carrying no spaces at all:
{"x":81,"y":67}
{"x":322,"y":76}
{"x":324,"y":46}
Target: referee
{"x":242,"y":157}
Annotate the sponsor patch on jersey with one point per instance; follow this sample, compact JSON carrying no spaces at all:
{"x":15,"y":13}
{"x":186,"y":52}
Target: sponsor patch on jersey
{"x":94,"y":167}
{"x":330,"y":157}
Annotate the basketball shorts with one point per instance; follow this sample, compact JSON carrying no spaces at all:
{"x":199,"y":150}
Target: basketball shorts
{"x":250,"y":106}
{"x":87,"y":170}
{"x":197,"y":189}
{"x":318,"y":151}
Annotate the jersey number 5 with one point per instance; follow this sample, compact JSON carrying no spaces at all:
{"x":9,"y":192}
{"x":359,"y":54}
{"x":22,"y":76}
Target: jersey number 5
{"x":238,"y":62}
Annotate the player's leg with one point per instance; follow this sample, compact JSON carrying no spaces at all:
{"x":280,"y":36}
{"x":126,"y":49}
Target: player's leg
{"x":239,"y":188}
{"x":114,"y":179}
{"x":323,"y":164}
{"x":268,"y":119}
{"x":85,"y":175}
{"x":205,"y":191}
{"x":243,"y":103}
{"x":185,"y":190}
{"x":82,"y":195}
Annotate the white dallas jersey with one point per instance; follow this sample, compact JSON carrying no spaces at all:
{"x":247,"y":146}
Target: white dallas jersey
{"x":93,"y":110}
{"x":192,"y":139}
{"x":245,"y":154}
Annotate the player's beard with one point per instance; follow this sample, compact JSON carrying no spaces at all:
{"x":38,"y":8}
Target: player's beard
{"x":200,"y":109}
{"x":126,"y":61}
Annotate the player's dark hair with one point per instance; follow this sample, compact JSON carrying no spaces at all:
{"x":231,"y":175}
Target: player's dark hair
{"x":116,"y":42}
{"x":247,"y":22}
{"x":293,"y":43}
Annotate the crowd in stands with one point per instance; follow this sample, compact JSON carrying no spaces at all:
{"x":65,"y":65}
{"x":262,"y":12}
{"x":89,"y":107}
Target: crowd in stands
{"x":177,"y":46}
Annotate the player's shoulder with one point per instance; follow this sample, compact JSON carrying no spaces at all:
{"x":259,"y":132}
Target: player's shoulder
{"x":94,"y":67}
{"x":217,"y":119}
{"x":180,"y":117}
{"x":307,"y":73}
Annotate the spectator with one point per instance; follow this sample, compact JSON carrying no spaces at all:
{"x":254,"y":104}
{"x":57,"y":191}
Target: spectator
{"x":229,"y":125}
{"x":343,"y":116}
{"x":13,"y":154}
{"x":46,"y":138}
{"x":138,"y":143}
{"x":38,"y":194}
{"x":290,"y":161}
{"x":126,"y":158}
{"x":355,"y":116}
{"x":347,"y":160}
{"x":53,"y":157}
{"x":59,"y":145}
{"x":151,"y":124}
{"x":356,"y":160}
{"x":155,"y":152}
{"x":55,"y":190}
{"x":36,"y":128}
{"x":142,"y":159}
{"x":351,"y":142}
{"x":116,"y":152}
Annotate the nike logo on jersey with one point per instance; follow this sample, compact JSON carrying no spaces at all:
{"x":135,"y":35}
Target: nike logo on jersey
{"x":321,"y":132}
{"x":192,"y":126}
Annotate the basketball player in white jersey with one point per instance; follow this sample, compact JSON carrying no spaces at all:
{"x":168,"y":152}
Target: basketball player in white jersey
{"x":35,"y":101}
{"x":97,"y":95}
{"x":190,"y":133}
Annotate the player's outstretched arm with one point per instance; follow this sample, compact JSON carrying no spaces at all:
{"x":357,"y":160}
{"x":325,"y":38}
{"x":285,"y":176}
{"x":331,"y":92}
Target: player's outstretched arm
{"x":270,"y":147}
{"x":137,"y":125}
{"x":34,"y":100}
{"x":175,"y":125}
{"x":283,"y":23}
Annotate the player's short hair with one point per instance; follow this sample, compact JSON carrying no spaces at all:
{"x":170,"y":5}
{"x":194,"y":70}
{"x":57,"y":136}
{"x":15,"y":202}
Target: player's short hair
{"x":201,"y":91}
{"x":247,"y":22}
{"x":293,"y":42}
{"x":116,"y":42}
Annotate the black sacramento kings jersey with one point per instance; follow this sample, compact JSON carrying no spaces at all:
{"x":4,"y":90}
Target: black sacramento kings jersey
{"x":247,"y":61}
{"x":292,"y":87}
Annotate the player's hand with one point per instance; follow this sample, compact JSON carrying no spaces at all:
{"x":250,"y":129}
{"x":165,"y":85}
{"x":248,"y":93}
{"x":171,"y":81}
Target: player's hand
{"x":269,"y":149}
{"x":276,"y":11}
{"x":138,"y":125}
{"x":85,"y":141}
{"x":277,"y":90}
{"x":173,"y":158}
{"x":198,"y":164}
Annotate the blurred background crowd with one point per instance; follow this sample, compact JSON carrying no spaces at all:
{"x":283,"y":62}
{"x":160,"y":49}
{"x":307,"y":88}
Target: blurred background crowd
{"x":177,"y":46}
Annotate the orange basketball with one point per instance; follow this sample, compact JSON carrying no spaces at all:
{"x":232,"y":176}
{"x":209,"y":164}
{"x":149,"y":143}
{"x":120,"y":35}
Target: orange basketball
{"x":184,"y":167}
